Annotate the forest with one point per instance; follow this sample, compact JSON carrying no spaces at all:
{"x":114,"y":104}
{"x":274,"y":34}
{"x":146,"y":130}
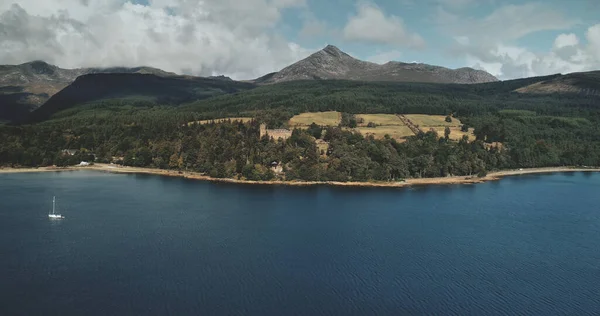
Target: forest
{"x":534,"y":131}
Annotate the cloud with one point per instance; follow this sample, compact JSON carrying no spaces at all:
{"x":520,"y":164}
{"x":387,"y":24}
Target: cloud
{"x":568,"y":54}
{"x":491,"y":42}
{"x":593,"y":38}
{"x":384,"y":57}
{"x":235,"y":38}
{"x":509,"y":22}
{"x":371,"y":25}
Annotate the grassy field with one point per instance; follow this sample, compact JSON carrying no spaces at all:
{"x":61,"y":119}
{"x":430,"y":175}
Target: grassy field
{"x":455,"y":132}
{"x":395,"y":131}
{"x":439,"y":124}
{"x":387,"y":124}
{"x":243,"y":119}
{"x":432,"y":120}
{"x":379,"y":119}
{"x":330,"y":118}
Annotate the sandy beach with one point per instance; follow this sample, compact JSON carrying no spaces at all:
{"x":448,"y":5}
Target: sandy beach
{"x":493,"y":176}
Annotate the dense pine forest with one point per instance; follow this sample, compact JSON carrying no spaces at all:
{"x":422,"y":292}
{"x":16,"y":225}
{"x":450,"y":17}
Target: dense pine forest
{"x":535,"y":130}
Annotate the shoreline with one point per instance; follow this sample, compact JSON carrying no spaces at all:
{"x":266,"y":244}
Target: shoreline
{"x":492,"y":176}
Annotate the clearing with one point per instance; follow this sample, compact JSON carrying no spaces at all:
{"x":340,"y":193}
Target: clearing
{"x":455,"y":133}
{"x":438,"y":123}
{"x":424,"y":121}
{"x":330,"y":118}
{"x":386,"y":124}
{"x":395,"y":131}
{"x":379,"y":119}
{"x":221,"y":120}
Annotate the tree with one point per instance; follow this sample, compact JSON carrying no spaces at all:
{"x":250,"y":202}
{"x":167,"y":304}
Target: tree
{"x":174,"y":161}
{"x":315,"y":130}
{"x":464,"y":128}
{"x":449,"y":119}
{"x":447,"y":133}
{"x":352,"y":123}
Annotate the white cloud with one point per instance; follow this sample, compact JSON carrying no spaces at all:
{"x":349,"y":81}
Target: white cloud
{"x":489,"y":43}
{"x":462,"y":40}
{"x":509,"y":22}
{"x":235,"y":38}
{"x":567,"y":55}
{"x":566,"y":40}
{"x":371,"y":25}
{"x":384,"y":57}
{"x":593,"y":38}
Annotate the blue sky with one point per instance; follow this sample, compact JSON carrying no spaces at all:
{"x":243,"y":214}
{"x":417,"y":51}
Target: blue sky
{"x":423,"y":18}
{"x":248,"y":38}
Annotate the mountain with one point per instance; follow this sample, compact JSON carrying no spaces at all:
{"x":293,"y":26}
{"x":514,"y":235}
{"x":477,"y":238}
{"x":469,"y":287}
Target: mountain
{"x":135,"y":88}
{"x":332,"y":63}
{"x":27,"y":86}
{"x":579,"y":82}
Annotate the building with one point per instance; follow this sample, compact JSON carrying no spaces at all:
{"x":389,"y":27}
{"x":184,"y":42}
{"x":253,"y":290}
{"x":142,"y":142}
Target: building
{"x":275,"y":133}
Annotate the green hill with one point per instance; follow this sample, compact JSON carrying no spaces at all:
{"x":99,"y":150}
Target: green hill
{"x":135,"y":88}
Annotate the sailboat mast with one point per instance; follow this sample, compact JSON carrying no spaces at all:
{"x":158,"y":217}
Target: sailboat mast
{"x":53,"y":204}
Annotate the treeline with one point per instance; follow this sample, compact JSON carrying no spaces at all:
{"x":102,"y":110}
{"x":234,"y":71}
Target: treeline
{"x":512,"y":131}
{"x":407,"y":98}
{"x":234,"y":149}
{"x":160,"y":138}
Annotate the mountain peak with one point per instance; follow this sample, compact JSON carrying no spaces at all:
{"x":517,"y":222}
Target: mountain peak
{"x":332,"y":50}
{"x":40,"y":67}
{"x":333,"y":63}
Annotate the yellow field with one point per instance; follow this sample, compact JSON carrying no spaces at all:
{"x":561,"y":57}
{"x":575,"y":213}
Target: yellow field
{"x":455,"y":132}
{"x":330,"y":118}
{"x":379,"y":119}
{"x":424,"y":121}
{"x":396,"y":131}
{"x":388,"y":124}
{"x":220,"y":120}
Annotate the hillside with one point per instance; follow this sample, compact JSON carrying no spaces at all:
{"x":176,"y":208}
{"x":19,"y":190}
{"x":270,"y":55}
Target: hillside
{"x":25,"y":87}
{"x":135,"y":87}
{"x":387,"y":130}
{"x":587,"y":83}
{"x":332,"y":63}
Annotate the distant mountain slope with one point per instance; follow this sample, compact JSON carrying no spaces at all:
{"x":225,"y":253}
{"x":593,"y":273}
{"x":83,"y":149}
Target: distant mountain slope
{"x":27,"y":86}
{"x":171,"y":90}
{"x":332,"y":63}
{"x":580,"y":82}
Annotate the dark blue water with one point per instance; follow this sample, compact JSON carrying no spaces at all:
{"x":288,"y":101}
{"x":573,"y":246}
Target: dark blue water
{"x":148,"y":245}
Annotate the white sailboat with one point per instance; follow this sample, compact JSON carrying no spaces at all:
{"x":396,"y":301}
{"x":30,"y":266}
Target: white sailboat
{"x":53,"y":215}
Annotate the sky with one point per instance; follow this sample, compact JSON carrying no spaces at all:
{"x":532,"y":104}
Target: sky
{"x":245,"y":39}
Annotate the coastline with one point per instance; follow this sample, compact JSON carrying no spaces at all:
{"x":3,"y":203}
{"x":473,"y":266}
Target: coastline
{"x":492,"y":176}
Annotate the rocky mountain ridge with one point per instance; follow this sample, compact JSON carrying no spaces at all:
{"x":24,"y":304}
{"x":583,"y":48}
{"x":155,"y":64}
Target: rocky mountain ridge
{"x":332,"y":63}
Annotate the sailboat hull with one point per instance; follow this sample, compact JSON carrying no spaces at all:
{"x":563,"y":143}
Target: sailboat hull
{"x":54,"y":215}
